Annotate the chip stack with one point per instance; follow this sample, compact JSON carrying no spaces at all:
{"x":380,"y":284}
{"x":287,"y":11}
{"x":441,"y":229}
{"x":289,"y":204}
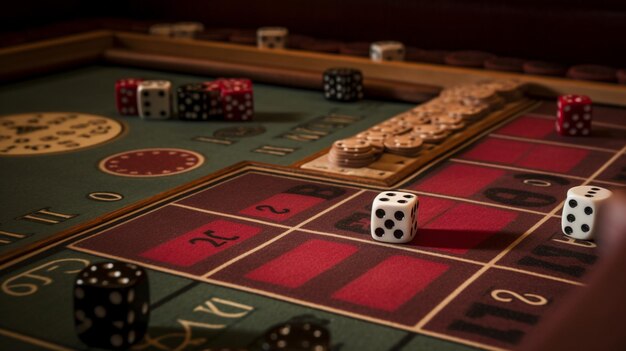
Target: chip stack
{"x":352,"y":153}
{"x":431,"y":133}
{"x":343,"y":84}
{"x":404,"y":145}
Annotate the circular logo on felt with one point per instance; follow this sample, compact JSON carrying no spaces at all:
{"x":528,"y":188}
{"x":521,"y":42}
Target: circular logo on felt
{"x":54,"y":132}
{"x":157,"y":162}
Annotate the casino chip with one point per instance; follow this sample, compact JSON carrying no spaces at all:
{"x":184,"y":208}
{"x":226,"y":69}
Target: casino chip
{"x":156,"y":162}
{"x":358,"y":48}
{"x":352,"y":153}
{"x":404,"y":145}
{"x":427,"y":56}
{"x":474,"y":59}
{"x":509,"y":64}
{"x":544,"y":68}
{"x":593,"y":72}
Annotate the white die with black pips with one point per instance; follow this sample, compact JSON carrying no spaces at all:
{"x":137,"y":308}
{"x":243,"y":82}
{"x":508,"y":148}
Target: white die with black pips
{"x":271,"y":37}
{"x":154,"y":99}
{"x":581,"y":210}
{"x":394,"y":217}
{"x":387,"y":51}
{"x":111,"y":304}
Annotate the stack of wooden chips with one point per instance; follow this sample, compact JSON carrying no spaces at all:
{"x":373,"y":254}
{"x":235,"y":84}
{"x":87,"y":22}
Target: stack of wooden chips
{"x":352,"y":153}
{"x":431,"y":133}
{"x":404,"y":145}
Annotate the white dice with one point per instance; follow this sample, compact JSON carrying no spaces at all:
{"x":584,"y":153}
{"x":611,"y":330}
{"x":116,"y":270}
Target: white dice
{"x":387,"y":51}
{"x":394,"y":217}
{"x":581,"y":209}
{"x":271,"y":37}
{"x":154,"y":99}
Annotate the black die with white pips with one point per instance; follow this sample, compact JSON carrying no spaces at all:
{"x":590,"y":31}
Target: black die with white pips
{"x":302,"y":336}
{"x":197,"y":103}
{"x":111,"y":304}
{"x":343,"y":84}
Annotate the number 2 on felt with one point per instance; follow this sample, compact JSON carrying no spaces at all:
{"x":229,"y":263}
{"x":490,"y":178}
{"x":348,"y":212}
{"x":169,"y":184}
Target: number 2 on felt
{"x":212,"y":238}
{"x":186,"y":249}
{"x":281,"y":206}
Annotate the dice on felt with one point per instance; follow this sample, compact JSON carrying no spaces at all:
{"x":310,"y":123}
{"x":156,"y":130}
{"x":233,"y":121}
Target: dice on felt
{"x":296,"y":336}
{"x":387,"y":51}
{"x":574,"y":115}
{"x":394,"y":217}
{"x":343,"y":84}
{"x":111,"y":304}
{"x":155,"y":99}
{"x":581,"y":211}
{"x":196,"y":101}
{"x":237,"y":99}
{"x":126,"y":96}
{"x":271,"y":37}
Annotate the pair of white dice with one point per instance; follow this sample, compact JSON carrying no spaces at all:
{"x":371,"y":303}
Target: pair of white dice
{"x":581,"y":210}
{"x":394,"y":217}
{"x":154,"y":99}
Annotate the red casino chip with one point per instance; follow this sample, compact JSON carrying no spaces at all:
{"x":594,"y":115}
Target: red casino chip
{"x":151,"y":162}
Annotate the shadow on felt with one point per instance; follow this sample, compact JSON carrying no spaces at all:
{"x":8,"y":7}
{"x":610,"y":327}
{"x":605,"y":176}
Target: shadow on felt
{"x":453,"y":239}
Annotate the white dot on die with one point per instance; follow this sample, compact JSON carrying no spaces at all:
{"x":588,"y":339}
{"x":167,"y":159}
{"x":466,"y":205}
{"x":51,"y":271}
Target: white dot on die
{"x":100,"y":311}
{"x":579,"y":125}
{"x":116,"y":340}
{"x":567,"y":108}
{"x":586,"y":116}
{"x":131,"y":295}
{"x":131,"y":317}
{"x":131,"y":336}
{"x":80,"y":315}
{"x":115,"y":297}
{"x":566,"y":125}
{"x":572,"y":131}
{"x":585,"y":131}
{"x":575,"y":117}
{"x":144,"y":308}
{"x":108,"y":265}
{"x":587,"y":108}
{"x":79,"y":293}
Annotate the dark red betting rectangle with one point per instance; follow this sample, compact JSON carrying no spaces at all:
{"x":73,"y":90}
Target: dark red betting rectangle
{"x":391,"y":283}
{"x":459,"y":180}
{"x":303,"y":263}
{"x":199,"y":244}
{"x":281,"y":206}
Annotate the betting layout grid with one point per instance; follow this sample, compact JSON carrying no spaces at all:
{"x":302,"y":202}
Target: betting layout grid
{"x":306,"y":242}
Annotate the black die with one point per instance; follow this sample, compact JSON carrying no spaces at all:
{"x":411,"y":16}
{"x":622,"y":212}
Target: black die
{"x":111,"y":304}
{"x":196,"y":102}
{"x":343,"y":84}
{"x":297,"y":336}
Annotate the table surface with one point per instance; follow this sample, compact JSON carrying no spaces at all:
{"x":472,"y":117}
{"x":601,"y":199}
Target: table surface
{"x":488,"y":261}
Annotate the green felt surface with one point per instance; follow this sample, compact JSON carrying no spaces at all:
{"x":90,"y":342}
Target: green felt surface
{"x":63,"y":181}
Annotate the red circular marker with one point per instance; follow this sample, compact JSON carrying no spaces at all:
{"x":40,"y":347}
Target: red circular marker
{"x":151,"y":162}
